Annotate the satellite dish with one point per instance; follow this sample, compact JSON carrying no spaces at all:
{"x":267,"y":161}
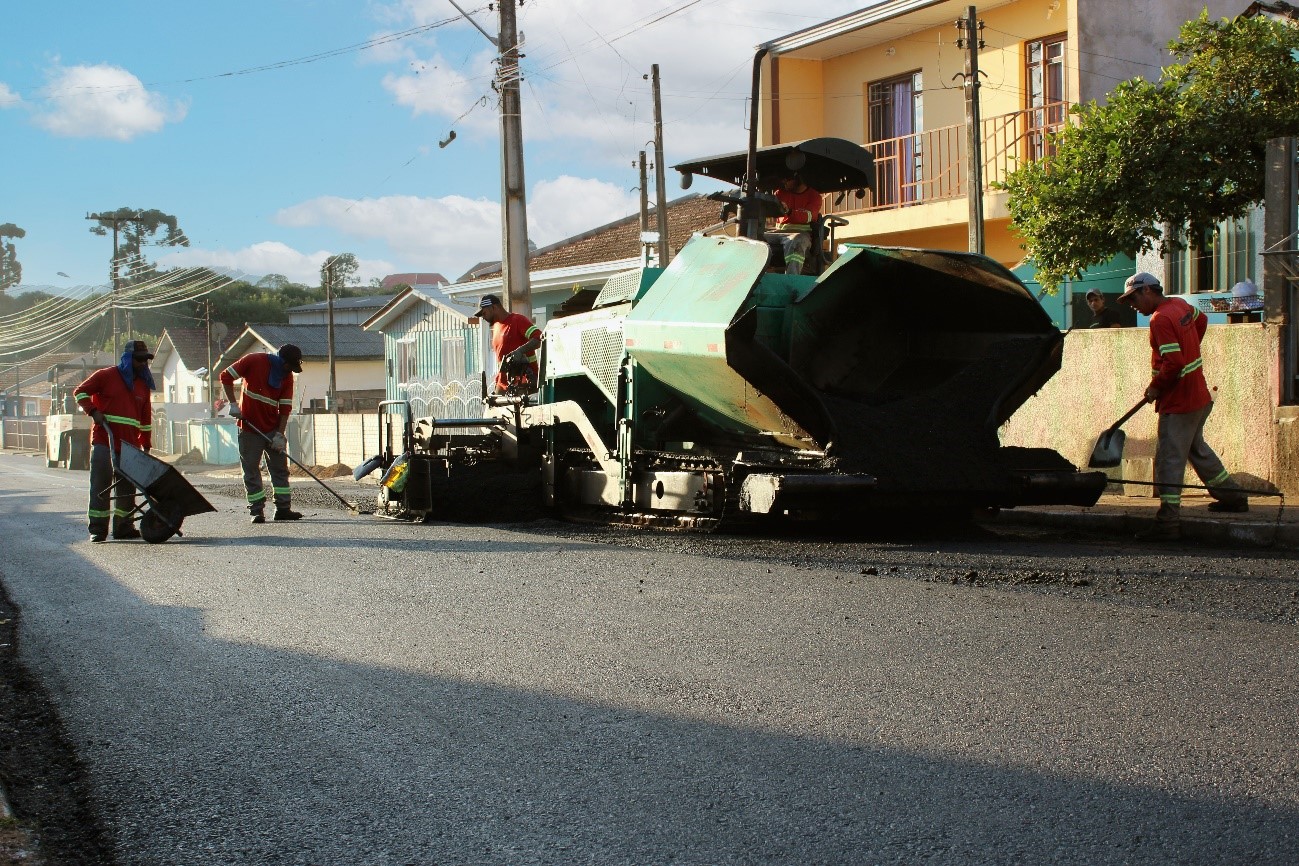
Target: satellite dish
{"x":219,"y":331}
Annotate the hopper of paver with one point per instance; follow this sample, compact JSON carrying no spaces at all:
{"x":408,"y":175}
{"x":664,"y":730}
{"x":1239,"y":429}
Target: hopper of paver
{"x":898,"y":364}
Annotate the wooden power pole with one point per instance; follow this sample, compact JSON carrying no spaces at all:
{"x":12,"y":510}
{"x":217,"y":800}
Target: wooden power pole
{"x":971,"y":40}
{"x":514,"y":208}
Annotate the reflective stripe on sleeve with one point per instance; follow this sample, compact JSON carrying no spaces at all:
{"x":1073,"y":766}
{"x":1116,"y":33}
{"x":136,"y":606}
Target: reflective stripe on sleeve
{"x":1169,"y":347}
{"x":126,"y":422}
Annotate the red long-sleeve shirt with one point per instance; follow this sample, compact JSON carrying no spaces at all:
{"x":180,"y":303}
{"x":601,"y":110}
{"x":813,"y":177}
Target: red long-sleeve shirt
{"x":1176,"y":329}
{"x":261,"y":405}
{"x":801,"y":208}
{"x":513,"y":332}
{"x":129,"y":413}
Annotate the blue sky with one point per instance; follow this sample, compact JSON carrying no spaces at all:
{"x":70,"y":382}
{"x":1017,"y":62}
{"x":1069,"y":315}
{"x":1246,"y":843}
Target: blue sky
{"x":277,"y":140}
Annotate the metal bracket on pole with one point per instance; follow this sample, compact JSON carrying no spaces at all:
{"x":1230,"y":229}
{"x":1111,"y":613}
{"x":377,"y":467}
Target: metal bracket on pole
{"x":465,"y":15}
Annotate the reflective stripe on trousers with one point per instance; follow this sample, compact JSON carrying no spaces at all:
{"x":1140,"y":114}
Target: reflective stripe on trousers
{"x":101,"y":481}
{"x":252,"y":446}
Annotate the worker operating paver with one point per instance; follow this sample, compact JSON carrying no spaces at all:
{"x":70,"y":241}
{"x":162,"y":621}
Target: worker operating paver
{"x":263,"y":415}
{"x":1182,"y":400}
{"x":515,"y":340}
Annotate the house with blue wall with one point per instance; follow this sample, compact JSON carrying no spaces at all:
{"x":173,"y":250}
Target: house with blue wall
{"x":436,"y":349}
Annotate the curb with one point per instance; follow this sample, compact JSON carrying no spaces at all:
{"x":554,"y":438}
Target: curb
{"x":1222,"y":533}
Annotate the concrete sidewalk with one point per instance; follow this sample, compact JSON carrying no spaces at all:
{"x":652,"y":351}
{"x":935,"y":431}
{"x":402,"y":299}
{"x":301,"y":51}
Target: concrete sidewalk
{"x":1266,"y":524}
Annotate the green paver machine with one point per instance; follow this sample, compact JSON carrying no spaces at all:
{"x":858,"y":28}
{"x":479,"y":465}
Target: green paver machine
{"x":716,"y":389}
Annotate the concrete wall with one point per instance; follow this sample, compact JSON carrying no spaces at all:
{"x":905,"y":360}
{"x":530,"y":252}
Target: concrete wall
{"x":1121,"y":39}
{"x":1105,"y":372}
{"x":313,"y":382}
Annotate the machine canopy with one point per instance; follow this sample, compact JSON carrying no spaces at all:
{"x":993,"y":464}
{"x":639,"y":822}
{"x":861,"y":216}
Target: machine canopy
{"x":825,"y":164}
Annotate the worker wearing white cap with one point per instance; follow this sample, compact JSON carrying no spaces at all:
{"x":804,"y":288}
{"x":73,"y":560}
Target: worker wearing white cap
{"x":1181,"y":398}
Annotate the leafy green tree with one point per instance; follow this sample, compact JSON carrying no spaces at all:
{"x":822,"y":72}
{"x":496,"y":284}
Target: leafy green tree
{"x":273,"y":281}
{"x":1181,"y":154}
{"x":344,"y":267}
{"x":136,"y":228}
{"x":11,"y":270}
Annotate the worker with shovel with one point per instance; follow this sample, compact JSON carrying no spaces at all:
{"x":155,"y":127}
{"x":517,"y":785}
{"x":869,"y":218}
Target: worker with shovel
{"x":263,"y":415}
{"x":1181,"y":398}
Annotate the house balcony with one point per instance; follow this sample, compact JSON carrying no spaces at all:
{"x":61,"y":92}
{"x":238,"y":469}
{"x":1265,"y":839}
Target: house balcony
{"x":926,"y":175}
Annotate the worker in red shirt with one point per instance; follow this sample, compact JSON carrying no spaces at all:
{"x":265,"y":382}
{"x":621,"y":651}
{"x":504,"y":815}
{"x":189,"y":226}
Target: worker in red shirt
{"x":263,"y":415}
{"x":118,"y":399}
{"x":793,"y":229}
{"x":1182,"y":400}
{"x":515,"y":341}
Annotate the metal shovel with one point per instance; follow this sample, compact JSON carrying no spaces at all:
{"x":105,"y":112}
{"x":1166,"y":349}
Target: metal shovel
{"x":1108,"y":452}
{"x":350,"y":506}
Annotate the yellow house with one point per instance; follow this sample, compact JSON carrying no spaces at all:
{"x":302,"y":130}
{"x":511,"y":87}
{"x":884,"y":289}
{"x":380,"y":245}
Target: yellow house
{"x":891,"y":77}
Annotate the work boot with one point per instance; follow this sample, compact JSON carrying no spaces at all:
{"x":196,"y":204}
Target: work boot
{"x":125,"y":533}
{"x":287,"y":514}
{"x":1234,"y":505}
{"x":98,"y":537}
{"x":258,"y":517}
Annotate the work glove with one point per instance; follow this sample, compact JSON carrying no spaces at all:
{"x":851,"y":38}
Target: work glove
{"x":515,"y":362}
{"x":279,"y":442}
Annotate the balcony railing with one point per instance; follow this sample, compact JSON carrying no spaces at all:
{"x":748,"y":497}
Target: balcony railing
{"x":931,"y":166}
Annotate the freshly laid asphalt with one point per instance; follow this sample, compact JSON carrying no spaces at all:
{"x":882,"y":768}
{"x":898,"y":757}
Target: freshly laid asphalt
{"x":346,"y":690}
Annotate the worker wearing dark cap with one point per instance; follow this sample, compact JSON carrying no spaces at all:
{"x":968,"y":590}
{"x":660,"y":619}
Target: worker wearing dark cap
{"x":117,"y":398}
{"x":1182,"y":399}
{"x":263,"y":415}
{"x":515,"y":341}
{"x":1102,"y":316}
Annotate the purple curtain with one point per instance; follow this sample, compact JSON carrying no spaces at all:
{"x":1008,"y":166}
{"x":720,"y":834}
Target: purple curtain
{"x":904,"y":125}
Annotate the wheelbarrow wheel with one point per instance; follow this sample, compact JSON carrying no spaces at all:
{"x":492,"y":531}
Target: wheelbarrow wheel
{"x":154,"y":529}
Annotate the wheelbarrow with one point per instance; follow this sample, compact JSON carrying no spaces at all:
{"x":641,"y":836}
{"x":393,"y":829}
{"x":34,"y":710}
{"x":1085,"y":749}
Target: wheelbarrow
{"x":168,"y":497}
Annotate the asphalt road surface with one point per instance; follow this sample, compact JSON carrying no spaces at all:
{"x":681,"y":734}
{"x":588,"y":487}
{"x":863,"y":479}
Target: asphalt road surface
{"x":356,"y":690}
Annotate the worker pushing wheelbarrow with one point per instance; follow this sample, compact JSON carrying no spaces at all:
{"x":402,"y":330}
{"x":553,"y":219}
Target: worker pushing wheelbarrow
{"x":168,"y":497}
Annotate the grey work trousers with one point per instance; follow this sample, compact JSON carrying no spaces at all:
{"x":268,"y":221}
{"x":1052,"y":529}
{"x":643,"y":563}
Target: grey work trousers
{"x":122,"y":507}
{"x":1181,"y":438}
{"x":795,"y":246}
{"x":252,"y":446}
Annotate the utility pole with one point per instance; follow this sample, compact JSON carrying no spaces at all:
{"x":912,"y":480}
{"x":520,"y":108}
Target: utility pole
{"x":207,"y":324}
{"x":660,"y":183}
{"x":329,"y":331}
{"x":971,"y":39}
{"x":644,"y":208}
{"x":514,"y":262}
{"x":116,"y":221}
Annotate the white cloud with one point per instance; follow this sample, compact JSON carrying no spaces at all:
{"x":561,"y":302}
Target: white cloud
{"x":446,"y":234}
{"x":433,"y":87}
{"x":453,"y":233}
{"x":584,"y":66}
{"x":8,"y":97}
{"x":566,"y":206}
{"x":272,"y":257}
{"x":103,"y":101}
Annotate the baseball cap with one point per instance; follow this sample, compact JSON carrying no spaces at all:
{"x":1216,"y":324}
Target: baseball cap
{"x":1094,"y":293}
{"x":292,"y":356}
{"x":140,"y":349}
{"x":1139,"y":280}
{"x":488,"y":300}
